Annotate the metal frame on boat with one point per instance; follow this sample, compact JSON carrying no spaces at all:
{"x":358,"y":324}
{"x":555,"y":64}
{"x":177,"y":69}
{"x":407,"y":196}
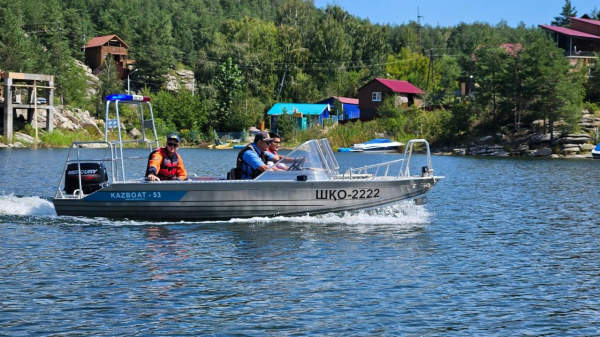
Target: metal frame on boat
{"x":307,"y":181}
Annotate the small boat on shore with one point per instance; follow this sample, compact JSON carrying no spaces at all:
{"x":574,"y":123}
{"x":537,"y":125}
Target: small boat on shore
{"x":596,"y":152}
{"x":311,"y":184}
{"x":377,"y":145}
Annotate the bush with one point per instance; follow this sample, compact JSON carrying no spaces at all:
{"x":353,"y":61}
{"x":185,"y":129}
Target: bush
{"x":591,"y":107}
{"x":345,"y":135}
{"x":314,"y":132}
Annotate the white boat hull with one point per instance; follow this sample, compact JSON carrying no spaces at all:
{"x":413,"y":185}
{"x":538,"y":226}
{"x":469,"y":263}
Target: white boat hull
{"x":386,"y":147}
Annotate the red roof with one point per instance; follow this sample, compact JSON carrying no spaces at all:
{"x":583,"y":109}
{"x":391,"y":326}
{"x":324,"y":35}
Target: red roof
{"x":400,"y":86}
{"x":101,"y":40}
{"x":570,"y":32}
{"x":590,"y":21}
{"x":346,"y":100}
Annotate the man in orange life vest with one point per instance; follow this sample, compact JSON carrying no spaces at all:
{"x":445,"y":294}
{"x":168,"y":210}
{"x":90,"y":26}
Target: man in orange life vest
{"x":165,"y":163}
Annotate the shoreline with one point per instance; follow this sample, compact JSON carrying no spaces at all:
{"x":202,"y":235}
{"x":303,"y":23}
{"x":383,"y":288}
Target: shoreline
{"x":476,"y":151}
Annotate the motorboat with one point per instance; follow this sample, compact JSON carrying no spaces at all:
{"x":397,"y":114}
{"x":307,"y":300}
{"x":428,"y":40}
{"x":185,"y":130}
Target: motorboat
{"x":308,"y":181}
{"x":377,"y":145}
{"x":596,"y":152}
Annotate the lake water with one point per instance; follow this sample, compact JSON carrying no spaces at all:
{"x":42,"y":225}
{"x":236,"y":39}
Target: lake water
{"x":505,"y":247}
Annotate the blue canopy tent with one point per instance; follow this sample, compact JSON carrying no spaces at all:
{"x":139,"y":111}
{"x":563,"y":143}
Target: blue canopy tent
{"x":306,"y":114}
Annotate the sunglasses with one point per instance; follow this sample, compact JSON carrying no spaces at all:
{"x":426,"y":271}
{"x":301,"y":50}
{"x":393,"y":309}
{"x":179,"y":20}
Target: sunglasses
{"x":173,"y":144}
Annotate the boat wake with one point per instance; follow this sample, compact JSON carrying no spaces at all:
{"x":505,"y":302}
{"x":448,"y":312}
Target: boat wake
{"x":23,"y":206}
{"x":405,"y":212}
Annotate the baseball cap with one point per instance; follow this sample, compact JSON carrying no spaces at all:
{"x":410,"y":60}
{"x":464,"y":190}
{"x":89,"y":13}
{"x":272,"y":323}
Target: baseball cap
{"x":173,"y":137}
{"x":263,"y":135}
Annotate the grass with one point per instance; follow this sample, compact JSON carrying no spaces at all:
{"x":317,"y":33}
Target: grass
{"x":64,"y":138}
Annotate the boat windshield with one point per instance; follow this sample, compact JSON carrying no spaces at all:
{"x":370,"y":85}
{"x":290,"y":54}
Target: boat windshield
{"x":313,"y":155}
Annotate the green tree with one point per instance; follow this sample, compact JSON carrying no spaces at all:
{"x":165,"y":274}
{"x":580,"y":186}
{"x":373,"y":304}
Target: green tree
{"x":109,"y":84}
{"x":458,"y":124}
{"x":293,"y":54}
{"x":78,"y":30}
{"x":563,"y":20}
{"x":446,"y":72}
{"x":511,"y":85}
{"x":286,"y":126}
{"x":73,"y":85}
{"x":228,"y":82}
{"x":297,"y":13}
{"x":182,"y":111}
{"x":595,"y":14}
{"x":394,"y":115}
{"x":153,"y":48}
{"x":554,"y":92}
{"x":490,"y":65}
{"x":409,"y":66}
{"x":16,"y":48}
{"x":592,"y":86}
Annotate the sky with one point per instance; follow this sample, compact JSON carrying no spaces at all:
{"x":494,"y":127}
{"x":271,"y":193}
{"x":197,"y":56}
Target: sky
{"x":448,"y":13}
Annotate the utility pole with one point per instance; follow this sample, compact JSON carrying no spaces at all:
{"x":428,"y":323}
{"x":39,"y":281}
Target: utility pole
{"x":419,"y":16}
{"x":131,"y":73}
{"x":431,"y":63}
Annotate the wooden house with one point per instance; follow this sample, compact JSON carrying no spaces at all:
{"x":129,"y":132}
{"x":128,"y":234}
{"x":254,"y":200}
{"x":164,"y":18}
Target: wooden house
{"x":372,"y":95}
{"x":98,"y":49}
{"x":580,"y":42}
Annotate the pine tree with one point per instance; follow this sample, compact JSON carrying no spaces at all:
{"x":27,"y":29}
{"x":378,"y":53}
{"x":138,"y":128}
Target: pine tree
{"x":567,"y":12}
{"x":16,"y":50}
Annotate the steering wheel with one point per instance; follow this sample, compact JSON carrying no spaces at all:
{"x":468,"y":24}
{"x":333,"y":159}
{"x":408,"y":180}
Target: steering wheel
{"x":297,"y":165}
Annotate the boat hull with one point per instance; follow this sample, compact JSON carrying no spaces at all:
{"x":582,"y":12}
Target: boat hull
{"x":223,"y":200}
{"x":391,"y":149}
{"x":384,"y":147}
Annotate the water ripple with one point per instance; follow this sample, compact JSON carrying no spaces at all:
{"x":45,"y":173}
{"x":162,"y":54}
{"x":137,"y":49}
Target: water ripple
{"x":504,"y":247}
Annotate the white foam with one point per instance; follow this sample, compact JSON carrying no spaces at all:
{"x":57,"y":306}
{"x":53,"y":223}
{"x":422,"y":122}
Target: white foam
{"x":396,"y":214}
{"x":13,"y":205}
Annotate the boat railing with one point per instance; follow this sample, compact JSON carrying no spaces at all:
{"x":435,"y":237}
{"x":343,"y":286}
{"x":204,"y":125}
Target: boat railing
{"x":399,"y":168}
{"x":381,"y":170}
{"x":426,"y":170}
{"x":79,"y":160}
{"x":111,"y":159}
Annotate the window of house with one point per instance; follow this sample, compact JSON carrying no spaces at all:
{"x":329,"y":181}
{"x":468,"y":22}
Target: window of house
{"x":376,"y":96}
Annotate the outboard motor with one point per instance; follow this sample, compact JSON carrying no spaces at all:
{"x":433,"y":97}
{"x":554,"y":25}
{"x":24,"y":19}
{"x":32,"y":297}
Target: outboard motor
{"x":93,"y":177}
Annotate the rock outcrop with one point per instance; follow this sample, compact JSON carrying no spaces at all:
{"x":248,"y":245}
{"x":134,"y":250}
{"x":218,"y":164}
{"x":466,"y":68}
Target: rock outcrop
{"x":91,"y":79}
{"x":556,"y":145}
{"x":64,"y":119}
{"x":75,"y":119}
{"x":180,"y":79}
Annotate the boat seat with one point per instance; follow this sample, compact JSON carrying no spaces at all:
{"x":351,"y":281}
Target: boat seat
{"x":231,"y":175}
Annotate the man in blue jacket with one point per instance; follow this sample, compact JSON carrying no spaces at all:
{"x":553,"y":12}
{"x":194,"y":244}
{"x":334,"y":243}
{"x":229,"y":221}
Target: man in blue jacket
{"x":252,"y":160}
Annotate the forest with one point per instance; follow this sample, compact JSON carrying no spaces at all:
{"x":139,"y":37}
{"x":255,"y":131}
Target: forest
{"x":248,"y":55}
